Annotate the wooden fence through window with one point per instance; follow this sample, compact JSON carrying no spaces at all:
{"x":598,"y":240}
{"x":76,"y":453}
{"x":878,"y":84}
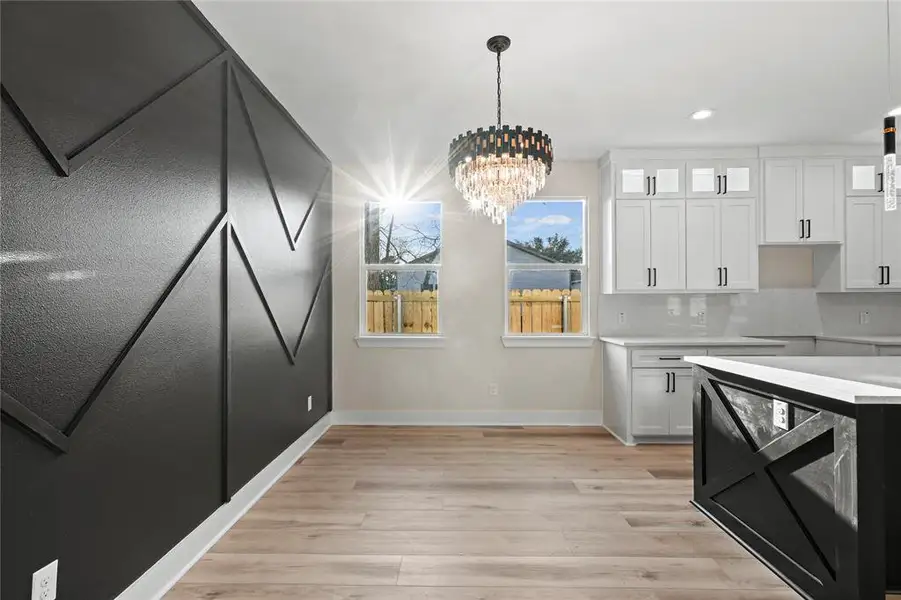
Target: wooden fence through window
{"x":530,"y":311}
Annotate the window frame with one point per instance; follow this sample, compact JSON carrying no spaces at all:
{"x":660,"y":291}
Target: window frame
{"x":365,"y":338}
{"x":563,"y":339}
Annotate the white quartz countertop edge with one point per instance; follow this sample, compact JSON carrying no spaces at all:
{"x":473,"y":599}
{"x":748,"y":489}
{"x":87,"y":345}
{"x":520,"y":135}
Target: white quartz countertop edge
{"x":853,"y":392}
{"x":689,"y":341}
{"x":871,"y":340}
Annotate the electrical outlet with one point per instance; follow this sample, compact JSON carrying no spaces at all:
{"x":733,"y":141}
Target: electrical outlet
{"x":780,"y":414}
{"x":43,"y":582}
{"x":864,"y":317}
{"x":309,"y":403}
{"x":702,"y":317}
{"x":621,"y":318}
{"x":492,"y":389}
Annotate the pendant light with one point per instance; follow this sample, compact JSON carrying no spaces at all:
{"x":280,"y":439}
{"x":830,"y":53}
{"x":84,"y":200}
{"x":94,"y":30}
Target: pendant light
{"x":499,"y":168}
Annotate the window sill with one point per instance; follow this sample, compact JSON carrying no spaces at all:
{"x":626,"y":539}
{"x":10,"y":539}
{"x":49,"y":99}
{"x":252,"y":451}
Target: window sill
{"x":547,"y":341}
{"x":400,"y":341}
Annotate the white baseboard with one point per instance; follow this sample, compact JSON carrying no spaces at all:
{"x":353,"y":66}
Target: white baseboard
{"x":165,"y":573}
{"x":452,"y":418}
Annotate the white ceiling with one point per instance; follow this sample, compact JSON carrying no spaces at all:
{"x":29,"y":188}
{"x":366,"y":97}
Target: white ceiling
{"x":365,"y":77}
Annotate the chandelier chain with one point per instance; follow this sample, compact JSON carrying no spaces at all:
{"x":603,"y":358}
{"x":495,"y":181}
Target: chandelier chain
{"x":498,"y":89}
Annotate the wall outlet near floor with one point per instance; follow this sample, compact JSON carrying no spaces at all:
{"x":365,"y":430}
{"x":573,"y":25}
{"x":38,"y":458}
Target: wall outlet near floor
{"x":864,"y":317}
{"x":43,"y":582}
{"x":492,"y":389}
{"x":702,"y":317}
{"x":621,"y":318}
{"x":309,"y":403}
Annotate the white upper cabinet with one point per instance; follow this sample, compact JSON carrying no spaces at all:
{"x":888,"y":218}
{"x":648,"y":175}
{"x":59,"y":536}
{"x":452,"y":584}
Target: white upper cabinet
{"x":738,"y":234}
{"x":667,"y":245}
{"x":891,"y":247}
{"x":823,"y":182}
{"x":782,"y":201}
{"x":703,"y":264}
{"x":650,"y":179}
{"x":633,"y":245}
{"x":721,"y":178}
{"x":803,"y":201}
{"x":721,"y":253}
{"x":863,"y":245}
{"x":864,"y":177}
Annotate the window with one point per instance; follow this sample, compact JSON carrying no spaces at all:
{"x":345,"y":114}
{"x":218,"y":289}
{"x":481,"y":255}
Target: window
{"x":401,"y":266}
{"x":546,"y":268}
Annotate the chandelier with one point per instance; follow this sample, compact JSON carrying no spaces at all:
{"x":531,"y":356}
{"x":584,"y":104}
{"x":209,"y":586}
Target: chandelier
{"x":499,"y":168}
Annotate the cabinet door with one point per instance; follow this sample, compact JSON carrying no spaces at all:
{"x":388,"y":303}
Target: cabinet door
{"x":633,"y":245}
{"x":738,"y":234}
{"x":668,"y":244}
{"x":739,"y":178}
{"x":650,"y":402}
{"x":863,"y":242}
{"x":891,"y":245}
{"x":701,"y":179}
{"x":703,"y":262}
{"x":782,"y":201}
{"x":823,"y":200}
{"x":863,"y":177}
{"x":633,"y":180}
{"x":667,"y":179}
{"x":681,"y":398}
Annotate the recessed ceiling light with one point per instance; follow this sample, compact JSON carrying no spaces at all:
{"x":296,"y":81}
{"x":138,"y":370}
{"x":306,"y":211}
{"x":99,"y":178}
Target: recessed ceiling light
{"x":700,"y":115}
{"x":895,"y":112}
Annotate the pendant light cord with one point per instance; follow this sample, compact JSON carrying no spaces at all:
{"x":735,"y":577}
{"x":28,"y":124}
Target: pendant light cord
{"x":888,"y":41}
{"x":498,"y":90}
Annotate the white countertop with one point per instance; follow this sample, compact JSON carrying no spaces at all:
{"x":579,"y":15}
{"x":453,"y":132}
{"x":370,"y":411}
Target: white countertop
{"x":875,"y":340}
{"x":690,"y":341}
{"x":854,"y":379}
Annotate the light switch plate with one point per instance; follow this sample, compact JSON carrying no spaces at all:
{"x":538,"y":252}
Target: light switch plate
{"x":780,"y":414}
{"x":43,"y":582}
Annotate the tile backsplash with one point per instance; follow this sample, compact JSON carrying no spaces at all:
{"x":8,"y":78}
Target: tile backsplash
{"x":770,"y":312}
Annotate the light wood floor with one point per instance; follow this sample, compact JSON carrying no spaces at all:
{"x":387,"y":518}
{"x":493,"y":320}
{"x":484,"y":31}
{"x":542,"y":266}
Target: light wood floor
{"x":390,"y":513}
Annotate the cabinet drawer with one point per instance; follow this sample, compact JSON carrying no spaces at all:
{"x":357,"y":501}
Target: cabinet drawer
{"x":665,"y":358}
{"x":746,"y":351}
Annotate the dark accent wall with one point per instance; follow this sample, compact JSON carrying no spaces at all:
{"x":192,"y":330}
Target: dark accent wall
{"x":166,"y":299}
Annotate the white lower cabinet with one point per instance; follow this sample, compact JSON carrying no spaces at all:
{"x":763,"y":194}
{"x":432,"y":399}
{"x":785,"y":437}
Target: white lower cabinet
{"x":661,"y":402}
{"x":650,"y":402}
{"x":648,"y":391}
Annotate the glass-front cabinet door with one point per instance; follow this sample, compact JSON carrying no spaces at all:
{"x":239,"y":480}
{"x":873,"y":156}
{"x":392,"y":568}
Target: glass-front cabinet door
{"x":864,"y":177}
{"x":703,"y":179}
{"x":650,"y":179}
{"x":739,"y":178}
{"x":721,"y":178}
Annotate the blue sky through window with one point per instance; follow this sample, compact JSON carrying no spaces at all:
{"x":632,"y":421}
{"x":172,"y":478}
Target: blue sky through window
{"x":544,"y":219}
{"x":409,"y":232}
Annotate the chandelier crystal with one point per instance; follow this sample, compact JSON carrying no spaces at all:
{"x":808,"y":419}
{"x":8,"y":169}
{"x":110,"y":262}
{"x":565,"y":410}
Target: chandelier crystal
{"x":499,"y":168}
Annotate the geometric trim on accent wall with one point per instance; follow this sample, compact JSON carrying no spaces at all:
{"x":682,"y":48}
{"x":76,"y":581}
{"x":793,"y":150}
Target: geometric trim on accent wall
{"x":13,"y":410}
{"x":760,"y":461}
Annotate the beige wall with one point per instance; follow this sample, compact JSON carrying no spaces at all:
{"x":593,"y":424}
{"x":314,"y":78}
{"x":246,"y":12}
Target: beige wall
{"x":457,"y":377}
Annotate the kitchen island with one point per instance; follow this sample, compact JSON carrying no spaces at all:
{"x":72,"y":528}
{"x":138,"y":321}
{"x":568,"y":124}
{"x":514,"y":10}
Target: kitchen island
{"x":799,"y":459}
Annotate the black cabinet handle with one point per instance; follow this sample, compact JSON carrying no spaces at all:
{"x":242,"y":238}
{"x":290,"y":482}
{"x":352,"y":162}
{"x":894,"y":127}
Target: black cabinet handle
{"x":725,"y":276}
{"x":725,"y":184}
{"x":881,"y":275}
{"x":802,"y":229}
{"x":808,"y":228}
{"x":655,"y":276}
{"x":654,"y":181}
{"x":881,"y":182}
{"x":667,"y":382}
{"x":888,"y":274}
{"x":719,"y":184}
{"x":674,"y":383}
{"x":647,"y":186}
{"x":649,"y":276}
{"x":719,"y":275}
